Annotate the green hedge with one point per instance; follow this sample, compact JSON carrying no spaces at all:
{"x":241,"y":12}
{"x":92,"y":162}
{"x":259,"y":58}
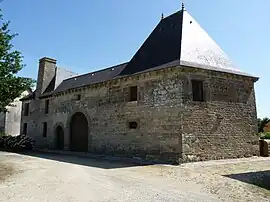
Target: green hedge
{"x":265,"y":135}
{"x":16,"y":143}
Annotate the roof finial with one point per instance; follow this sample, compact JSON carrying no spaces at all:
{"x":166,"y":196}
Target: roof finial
{"x":162,"y":16}
{"x":183,"y":6}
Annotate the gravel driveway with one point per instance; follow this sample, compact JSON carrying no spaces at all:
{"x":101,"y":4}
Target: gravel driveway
{"x":50,"y":177}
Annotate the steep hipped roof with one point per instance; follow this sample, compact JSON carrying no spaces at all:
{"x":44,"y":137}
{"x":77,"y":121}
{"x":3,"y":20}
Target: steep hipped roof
{"x":179,"y":38}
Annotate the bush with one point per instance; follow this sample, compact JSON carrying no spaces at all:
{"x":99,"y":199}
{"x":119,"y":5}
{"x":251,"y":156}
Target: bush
{"x":265,"y":135}
{"x":16,"y":143}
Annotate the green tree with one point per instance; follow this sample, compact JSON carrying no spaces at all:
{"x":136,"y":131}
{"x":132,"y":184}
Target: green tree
{"x":262,"y":123}
{"x":11,"y":85}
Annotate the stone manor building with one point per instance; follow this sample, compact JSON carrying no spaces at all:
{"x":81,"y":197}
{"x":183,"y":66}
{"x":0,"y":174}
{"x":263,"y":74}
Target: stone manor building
{"x":179,"y":98}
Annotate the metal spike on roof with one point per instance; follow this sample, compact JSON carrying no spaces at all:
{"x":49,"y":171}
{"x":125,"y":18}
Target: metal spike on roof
{"x":162,"y":16}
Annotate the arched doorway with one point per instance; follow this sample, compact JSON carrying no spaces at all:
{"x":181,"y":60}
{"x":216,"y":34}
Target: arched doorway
{"x":79,"y":133}
{"x":59,"y":132}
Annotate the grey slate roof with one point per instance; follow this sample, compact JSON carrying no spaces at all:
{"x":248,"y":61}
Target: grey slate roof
{"x":161,"y":47}
{"x":90,"y":78}
{"x":30,"y":96}
{"x":200,"y":50}
{"x":61,"y":74}
{"x":178,"y":39}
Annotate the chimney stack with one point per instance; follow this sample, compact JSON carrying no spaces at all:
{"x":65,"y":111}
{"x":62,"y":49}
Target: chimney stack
{"x":46,"y":72}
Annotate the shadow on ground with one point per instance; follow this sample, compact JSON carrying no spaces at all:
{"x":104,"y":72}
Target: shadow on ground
{"x":6,"y":170}
{"x":82,"y":160}
{"x":260,"y":178}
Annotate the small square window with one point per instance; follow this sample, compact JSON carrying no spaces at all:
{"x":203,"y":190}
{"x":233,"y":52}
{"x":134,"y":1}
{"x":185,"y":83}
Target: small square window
{"x":197,"y":90}
{"x":46,"y":106}
{"x":26,"y":109}
{"x":133,"y":125}
{"x":78,"y":97}
{"x":133,"y":93}
{"x":44,"y":129}
{"x":24,"y":129}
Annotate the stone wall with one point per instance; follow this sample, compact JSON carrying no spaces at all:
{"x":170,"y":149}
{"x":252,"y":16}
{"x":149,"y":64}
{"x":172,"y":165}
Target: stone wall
{"x":109,"y":112}
{"x":268,"y":144}
{"x":2,"y":122}
{"x":225,"y":125}
{"x":265,"y":148}
{"x":34,"y":122}
{"x":170,"y":125}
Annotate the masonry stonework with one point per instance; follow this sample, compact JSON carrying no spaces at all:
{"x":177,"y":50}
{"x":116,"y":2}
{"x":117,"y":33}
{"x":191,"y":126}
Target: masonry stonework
{"x":178,"y":99}
{"x":171,"y":127}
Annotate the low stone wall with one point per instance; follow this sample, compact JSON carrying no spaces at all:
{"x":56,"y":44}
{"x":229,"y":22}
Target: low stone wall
{"x":264,"y":147}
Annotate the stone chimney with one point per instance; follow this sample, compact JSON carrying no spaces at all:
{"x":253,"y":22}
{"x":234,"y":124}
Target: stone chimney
{"x":46,"y":72}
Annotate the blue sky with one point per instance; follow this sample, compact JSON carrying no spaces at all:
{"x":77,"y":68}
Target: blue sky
{"x":88,"y":35}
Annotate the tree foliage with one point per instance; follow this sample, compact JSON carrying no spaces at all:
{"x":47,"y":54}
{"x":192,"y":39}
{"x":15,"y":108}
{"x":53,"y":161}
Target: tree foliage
{"x":11,"y":85}
{"x":262,"y":123}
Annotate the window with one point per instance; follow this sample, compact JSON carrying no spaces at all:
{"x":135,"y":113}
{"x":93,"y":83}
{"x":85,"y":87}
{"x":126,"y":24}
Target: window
{"x":26,"y":109}
{"x":197,"y":90}
{"x":78,"y":97}
{"x":46,"y":106}
{"x":133,"y":125}
{"x":45,"y":129}
{"x":24,"y":129}
{"x":133,"y":91}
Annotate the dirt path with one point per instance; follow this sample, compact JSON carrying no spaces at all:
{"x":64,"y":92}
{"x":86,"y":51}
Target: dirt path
{"x":48,"y":177}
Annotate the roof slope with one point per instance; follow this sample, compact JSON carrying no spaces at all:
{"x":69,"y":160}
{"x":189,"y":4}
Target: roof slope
{"x":62,"y":74}
{"x":90,"y":78}
{"x":161,"y":47}
{"x":200,"y":50}
{"x":179,"y":38}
